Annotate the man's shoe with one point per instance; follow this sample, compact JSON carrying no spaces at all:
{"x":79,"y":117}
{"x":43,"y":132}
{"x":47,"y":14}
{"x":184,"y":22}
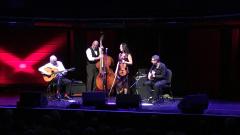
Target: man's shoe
{"x":154,"y":102}
{"x":149,"y":100}
{"x":167,"y":96}
{"x":67,"y":97}
{"x":58,"y":96}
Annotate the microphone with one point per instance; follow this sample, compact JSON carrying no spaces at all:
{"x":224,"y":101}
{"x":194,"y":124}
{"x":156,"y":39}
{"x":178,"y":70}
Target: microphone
{"x":106,"y":49}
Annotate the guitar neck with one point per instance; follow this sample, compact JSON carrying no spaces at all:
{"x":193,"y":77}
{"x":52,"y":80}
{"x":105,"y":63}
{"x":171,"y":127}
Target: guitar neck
{"x":60,"y":72}
{"x":66,"y":70}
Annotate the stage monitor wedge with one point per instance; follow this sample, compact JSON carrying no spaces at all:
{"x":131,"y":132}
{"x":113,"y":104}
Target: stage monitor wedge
{"x":32,"y":99}
{"x":128,"y":101}
{"x":194,"y":104}
{"x":94,"y":98}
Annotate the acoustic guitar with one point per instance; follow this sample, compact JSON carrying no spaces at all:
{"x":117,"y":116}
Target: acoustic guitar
{"x":53,"y":73}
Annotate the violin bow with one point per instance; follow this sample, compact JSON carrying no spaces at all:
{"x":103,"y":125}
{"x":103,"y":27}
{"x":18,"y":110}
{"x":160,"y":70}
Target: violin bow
{"x":115,"y":75}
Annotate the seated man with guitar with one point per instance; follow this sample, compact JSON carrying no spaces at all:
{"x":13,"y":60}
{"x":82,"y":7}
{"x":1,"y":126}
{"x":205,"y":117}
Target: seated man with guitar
{"x":53,"y":72}
{"x":157,"y":78}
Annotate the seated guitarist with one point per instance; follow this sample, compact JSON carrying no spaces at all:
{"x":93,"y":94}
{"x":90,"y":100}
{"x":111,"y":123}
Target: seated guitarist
{"x":54,"y":72}
{"x":157,"y":78}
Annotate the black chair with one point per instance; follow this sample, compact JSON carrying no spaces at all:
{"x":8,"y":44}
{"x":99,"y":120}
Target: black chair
{"x":167,"y":89}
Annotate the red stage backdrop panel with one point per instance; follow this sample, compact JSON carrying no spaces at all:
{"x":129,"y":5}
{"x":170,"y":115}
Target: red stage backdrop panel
{"x":22,"y":51}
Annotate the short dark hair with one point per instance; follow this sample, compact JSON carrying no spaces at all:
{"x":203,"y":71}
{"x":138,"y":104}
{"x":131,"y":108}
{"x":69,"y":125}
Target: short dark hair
{"x":156,"y":57}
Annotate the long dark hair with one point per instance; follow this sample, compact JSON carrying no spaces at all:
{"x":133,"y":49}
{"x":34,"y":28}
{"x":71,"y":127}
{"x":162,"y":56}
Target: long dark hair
{"x":125,"y":48}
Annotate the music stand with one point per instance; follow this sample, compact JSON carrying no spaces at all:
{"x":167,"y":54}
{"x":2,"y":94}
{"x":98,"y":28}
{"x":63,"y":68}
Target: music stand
{"x":142,"y":72}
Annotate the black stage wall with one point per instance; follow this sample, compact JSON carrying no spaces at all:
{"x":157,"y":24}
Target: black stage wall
{"x":204,"y":59}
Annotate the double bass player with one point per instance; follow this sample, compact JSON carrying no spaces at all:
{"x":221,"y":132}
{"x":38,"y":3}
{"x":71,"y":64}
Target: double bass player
{"x":99,"y":74}
{"x":93,"y":56}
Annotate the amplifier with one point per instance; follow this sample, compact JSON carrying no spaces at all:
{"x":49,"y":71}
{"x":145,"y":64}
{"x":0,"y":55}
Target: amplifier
{"x":143,"y":90}
{"x":76,"y":88}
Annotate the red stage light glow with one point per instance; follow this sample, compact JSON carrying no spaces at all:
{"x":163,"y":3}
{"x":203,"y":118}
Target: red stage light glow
{"x":26,"y":65}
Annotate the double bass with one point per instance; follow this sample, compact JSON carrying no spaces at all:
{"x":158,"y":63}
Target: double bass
{"x":105,"y":77}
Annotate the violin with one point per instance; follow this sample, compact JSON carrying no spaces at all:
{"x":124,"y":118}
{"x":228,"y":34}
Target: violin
{"x":123,"y":69}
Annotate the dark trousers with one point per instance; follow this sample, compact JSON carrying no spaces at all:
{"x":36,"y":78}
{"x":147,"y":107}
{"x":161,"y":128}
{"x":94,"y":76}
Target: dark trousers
{"x":157,"y":87}
{"x":61,"y":84}
{"x":92,"y":73}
